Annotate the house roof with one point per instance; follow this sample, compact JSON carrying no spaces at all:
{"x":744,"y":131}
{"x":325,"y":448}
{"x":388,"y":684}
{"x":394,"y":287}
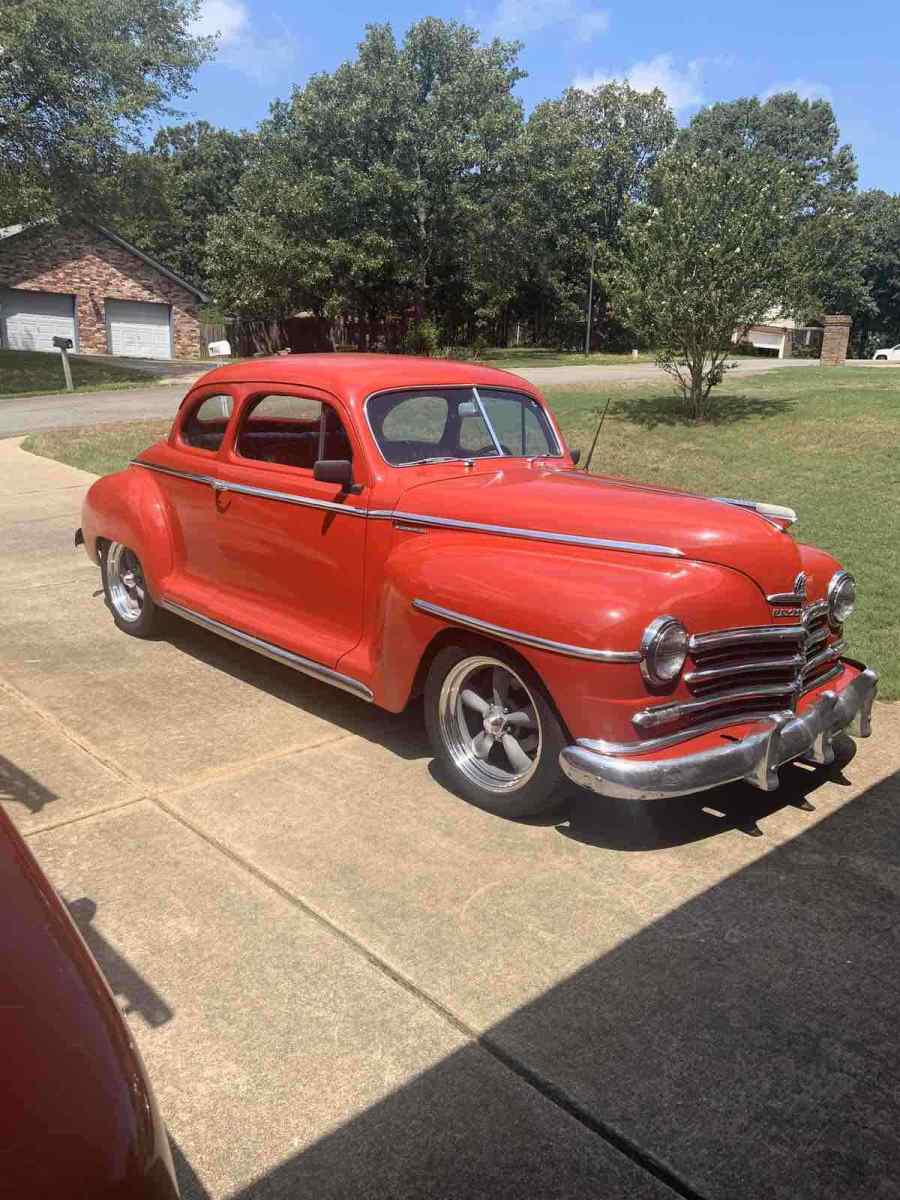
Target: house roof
{"x":11,"y":231}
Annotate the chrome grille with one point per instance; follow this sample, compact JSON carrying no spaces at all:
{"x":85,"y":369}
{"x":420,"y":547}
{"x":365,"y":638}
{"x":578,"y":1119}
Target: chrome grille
{"x":751,"y":671}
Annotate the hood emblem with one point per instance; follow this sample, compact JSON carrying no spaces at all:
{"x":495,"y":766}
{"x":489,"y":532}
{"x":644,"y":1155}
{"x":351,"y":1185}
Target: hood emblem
{"x":786,"y":604}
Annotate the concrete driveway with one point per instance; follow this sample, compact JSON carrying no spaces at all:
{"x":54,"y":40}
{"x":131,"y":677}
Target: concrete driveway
{"x":59,"y":410}
{"x":346,"y":982}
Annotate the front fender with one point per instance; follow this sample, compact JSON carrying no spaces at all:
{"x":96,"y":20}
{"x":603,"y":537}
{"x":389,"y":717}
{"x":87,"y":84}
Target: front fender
{"x":130,"y":507}
{"x":599,"y":600}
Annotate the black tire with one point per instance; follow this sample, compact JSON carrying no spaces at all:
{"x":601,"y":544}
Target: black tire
{"x":481,"y":780}
{"x":141,"y":618}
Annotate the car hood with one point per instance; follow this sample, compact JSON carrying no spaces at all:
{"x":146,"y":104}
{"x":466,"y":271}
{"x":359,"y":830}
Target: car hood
{"x":569,"y":502}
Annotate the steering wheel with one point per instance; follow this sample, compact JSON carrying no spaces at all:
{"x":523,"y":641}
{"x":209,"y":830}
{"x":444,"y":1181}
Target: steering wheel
{"x":489,"y":451}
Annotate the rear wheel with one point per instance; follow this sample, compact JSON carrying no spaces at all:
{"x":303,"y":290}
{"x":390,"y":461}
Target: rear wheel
{"x":127,"y":595}
{"x":494,"y":730}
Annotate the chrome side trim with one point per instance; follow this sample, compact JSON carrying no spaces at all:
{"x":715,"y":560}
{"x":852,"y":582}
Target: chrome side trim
{"x":663,"y":714}
{"x":704,"y":642}
{"x":278,"y":653}
{"x":527,"y":639}
{"x":205,"y":479}
{"x":246,"y":489}
{"x":385,"y":514}
{"x":535,"y":535}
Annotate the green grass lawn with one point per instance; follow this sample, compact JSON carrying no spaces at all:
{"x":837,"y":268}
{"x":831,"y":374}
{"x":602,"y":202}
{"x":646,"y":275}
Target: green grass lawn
{"x":824,"y":441}
{"x":511,"y":357}
{"x":23,"y":373}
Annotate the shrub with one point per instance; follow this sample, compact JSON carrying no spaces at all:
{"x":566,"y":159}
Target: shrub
{"x":423,"y":338}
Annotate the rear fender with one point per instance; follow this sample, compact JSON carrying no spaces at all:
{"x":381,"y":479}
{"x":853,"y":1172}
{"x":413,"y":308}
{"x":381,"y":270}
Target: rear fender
{"x":130,"y":507}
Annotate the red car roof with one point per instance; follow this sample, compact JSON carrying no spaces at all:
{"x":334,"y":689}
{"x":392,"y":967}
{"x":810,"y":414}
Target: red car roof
{"x":355,"y":376}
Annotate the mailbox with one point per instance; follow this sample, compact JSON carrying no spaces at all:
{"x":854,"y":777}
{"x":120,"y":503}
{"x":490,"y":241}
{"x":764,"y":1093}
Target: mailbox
{"x":62,"y":343}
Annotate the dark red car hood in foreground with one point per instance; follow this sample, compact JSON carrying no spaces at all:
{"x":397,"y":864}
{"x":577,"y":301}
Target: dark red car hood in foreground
{"x":77,"y":1117}
{"x":568,"y":501}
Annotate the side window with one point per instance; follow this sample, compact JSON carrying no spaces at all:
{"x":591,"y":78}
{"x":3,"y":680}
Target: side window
{"x":420,"y":418}
{"x":205,"y":425}
{"x":293,"y":431}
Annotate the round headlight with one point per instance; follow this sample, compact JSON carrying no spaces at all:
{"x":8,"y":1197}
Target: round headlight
{"x":664,"y":647}
{"x":841,"y":597}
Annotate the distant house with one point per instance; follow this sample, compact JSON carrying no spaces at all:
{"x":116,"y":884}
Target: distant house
{"x":84,"y":282}
{"x":775,"y":333}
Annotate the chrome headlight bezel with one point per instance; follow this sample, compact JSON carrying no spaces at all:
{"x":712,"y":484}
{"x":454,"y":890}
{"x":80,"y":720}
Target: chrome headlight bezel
{"x":656,"y":635}
{"x":839,"y":607}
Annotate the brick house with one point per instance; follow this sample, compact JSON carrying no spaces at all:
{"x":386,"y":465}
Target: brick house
{"x":85,"y":282}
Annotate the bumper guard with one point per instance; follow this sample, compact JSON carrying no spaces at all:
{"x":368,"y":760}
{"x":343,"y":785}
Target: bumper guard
{"x":755,"y":759}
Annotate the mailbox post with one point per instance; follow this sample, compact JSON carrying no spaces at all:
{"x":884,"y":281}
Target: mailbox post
{"x":64,"y":345}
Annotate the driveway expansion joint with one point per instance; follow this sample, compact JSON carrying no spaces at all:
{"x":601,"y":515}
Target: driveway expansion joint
{"x":545,"y":1088}
{"x":64,"y":731}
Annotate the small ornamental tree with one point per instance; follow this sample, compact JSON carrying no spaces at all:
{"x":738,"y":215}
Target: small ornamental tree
{"x":703,"y":259}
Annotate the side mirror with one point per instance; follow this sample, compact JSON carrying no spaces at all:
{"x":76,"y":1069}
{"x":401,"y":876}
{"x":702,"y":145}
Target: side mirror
{"x":576,"y":457}
{"x":334,"y":470}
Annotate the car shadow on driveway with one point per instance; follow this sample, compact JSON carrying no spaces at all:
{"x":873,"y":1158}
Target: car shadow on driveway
{"x":401,"y":733}
{"x":742,"y":1045}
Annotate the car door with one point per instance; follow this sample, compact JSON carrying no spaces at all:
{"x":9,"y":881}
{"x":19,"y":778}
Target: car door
{"x":191,"y":469}
{"x":291,"y":547}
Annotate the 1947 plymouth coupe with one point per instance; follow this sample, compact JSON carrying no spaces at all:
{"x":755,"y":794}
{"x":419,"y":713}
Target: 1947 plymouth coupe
{"x":397,"y":525}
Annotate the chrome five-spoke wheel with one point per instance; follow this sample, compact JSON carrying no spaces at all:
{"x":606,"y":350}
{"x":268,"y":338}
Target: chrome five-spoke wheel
{"x":126,"y":591}
{"x":490,"y":724}
{"x":493,"y":728}
{"x":125,"y":580}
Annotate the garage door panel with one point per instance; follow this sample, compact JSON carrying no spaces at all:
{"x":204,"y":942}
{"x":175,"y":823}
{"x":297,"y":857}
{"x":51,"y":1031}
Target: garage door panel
{"x":139,"y":329}
{"x":31,"y":320}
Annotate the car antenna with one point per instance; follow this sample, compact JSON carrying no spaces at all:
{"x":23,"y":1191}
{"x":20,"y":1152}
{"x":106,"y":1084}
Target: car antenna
{"x":596,"y":437}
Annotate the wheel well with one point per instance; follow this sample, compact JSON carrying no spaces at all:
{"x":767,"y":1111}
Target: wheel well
{"x":461,"y":637}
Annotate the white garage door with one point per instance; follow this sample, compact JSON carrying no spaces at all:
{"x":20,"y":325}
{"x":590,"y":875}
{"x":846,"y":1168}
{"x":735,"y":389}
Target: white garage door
{"x":138,"y":329}
{"x":31,"y":320}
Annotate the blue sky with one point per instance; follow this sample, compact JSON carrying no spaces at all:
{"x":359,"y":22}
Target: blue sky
{"x":697,"y":52}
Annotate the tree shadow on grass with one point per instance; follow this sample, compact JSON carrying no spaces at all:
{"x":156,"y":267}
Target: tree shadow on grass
{"x":669,"y":409}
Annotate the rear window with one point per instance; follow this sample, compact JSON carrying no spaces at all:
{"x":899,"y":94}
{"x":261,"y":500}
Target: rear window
{"x":204,"y":427}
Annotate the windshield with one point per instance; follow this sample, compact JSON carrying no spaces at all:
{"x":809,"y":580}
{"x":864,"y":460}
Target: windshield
{"x":442,"y":424}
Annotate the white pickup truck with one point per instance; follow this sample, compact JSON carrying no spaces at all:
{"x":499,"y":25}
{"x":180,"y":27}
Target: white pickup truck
{"x":891,"y":354}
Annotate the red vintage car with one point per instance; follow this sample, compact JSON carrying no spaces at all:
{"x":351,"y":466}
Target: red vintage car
{"x":77,"y":1114}
{"x":398,"y":525}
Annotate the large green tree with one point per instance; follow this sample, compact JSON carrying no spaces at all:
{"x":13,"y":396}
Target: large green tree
{"x":704,"y":257}
{"x":386,"y":185}
{"x":164,"y":197}
{"x":801,"y":136}
{"x":78,"y":79}
{"x":877,"y":227}
{"x":585,"y":156}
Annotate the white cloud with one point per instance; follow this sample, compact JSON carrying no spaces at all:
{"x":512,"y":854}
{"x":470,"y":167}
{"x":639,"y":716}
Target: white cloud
{"x":227,"y":19}
{"x":682,"y":87}
{"x":806,"y":89}
{"x":517,"y":18}
{"x":240,"y":46}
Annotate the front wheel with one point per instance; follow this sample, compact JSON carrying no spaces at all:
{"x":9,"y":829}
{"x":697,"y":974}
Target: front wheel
{"x":127,"y":595}
{"x":493,"y":729}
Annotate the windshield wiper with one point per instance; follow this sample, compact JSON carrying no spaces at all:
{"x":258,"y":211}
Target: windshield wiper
{"x":421,"y":462}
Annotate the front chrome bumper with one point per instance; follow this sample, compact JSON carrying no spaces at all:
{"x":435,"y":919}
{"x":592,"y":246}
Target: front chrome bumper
{"x":755,"y":759}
